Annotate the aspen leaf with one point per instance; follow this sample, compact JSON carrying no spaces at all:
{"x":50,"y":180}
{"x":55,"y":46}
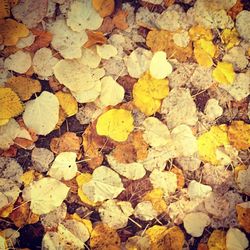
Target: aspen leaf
{"x":138,"y":243}
{"x":163,"y":238}
{"x":224,"y":73}
{"x":236,"y":239}
{"x":25,"y":87}
{"x":199,"y":32}
{"x":209,"y":141}
{"x":83,"y":179}
{"x":217,"y":240}
{"x":67,"y":102}
{"x":94,"y":37}
{"x":243,"y":180}
{"x":165,"y":69}
{"x":243,"y":215}
{"x":145,"y":211}
{"x":156,"y":198}
{"x":105,"y":184}
{"x":104,"y":238}
{"x":12,"y":31}
{"x":10,"y":105}
{"x":204,"y":52}
{"x":120,"y":20}
{"x":116,"y":124}
{"x":104,"y":7}
{"x":64,"y":166}
{"x":239,"y":135}
{"x":230,"y":38}
{"x":4,"y":10}
{"x":42,"y":113}
{"x":148,"y":92}
{"x":45,"y":195}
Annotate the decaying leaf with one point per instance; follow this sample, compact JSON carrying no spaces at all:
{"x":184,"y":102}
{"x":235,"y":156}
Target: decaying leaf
{"x":163,"y":238}
{"x":10,"y":105}
{"x":95,"y":37}
{"x":104,"y":238}
{"x":217,"y":240}
{"x":25,"y":87}
{"x":119,"y":20}
{"x":68,"y":142}
{"x":239,"y":135}
{"x":116,"y":124}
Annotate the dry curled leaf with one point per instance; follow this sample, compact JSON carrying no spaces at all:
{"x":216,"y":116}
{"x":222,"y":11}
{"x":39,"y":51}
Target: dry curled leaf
{"x":119,"y":20}
{"x":94,"y":37}
{"x":25,"y":87}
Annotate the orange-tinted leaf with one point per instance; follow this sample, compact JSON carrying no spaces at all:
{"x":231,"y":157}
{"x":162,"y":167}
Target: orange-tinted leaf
{"x":180,"y":177}
{"x":243,"y":215}
{"x":43,"y":39}
{"x":119,"y":20}
{"x":236,"y":9}
{"x":104,"y":7}
{"x":94,"y":37}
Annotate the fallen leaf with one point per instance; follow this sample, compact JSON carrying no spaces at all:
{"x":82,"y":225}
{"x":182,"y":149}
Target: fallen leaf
{"x":68,"y":142}
{"x":21,"y":214}
{"x":166,"y":238}
{"x":119,"y":20}
{"x":243,"y":180}
{"x":81,"y":180}
{"x":104,"y":8}
{"x":45,"y":195}
{"x":236,"y":239}
{"x":67,"y":102}
{"x":105,"y":184}
{"x":42,"y":113}
{"x":224,"y":73}
{"x":42,"y":40}
{"x":25,"y":87}
{"x":10,"y":103}
{"x":239,"y":135}
{"x":230,"y":38}
{"x":145,"y":211}
{"x":180,"y":177}
{"x":116,"y":124}
{"x":243,"y":215}
{"x":209,"y":141}
{"x":148,"y":93}
{"x":162,"y":40}
{"x":64,"y":166}
{"x":94,"y":37}
{"x":156,"y":198}
{"x":236,"y":9}
{"x":217,"y":240}
{"x":198,"y":32}
{"x":12,"y":31}
{"x":4,"y":10}
{"x":104,"y":238}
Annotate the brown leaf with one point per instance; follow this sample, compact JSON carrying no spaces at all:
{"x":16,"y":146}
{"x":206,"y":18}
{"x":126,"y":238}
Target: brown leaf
{"x":243,"y":215}
{"x":104,"y":7}
{"x":7,"y":51}
{"x":236,"y":9}
{"x":180,"y":177}
{"x":94,"y":37}
{"x":168,"y":3}
{"x":43,"y":39}
{"x":22,"y":215}
{"x":119,"y":20}
{"x":127,"y":82}
{"x":11,"y":152}
{"x":68,"y":142}
{"x":163,"y":41}
{"x":107,"y":25}
{"x":54,"y":84}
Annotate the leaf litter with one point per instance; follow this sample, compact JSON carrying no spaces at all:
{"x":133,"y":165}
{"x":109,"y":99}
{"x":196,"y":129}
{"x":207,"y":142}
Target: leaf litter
{"x":124,"y":124}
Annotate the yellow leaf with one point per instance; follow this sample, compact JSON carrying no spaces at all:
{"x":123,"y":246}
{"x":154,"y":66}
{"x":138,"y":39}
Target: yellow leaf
{"x":3,"y":242}
{"x":12,"y":31}
{"x":148,"y":93}
{"x":239,"y":135}
{"x":82,"y":179}
{"x":25,"y":87}
{"x":217,"y":240}
{"x":243,"y":215}
{"x":28,"y":177}
{"x":4,"y":8}
{"x":104,"y":7}
{"x":4,"y":213}
{"x":86,"y":222}
{"x":104,"y":238}
{"x":156,"y":198}
{"x":163,"y":238}
{"x":230,"y":38}
{"x":210,"y":141}
{"x":204,"y":51}
{"x":116,"y":124}
{"x":224,"y":73}
{"x":10,"y":104}
{"x":198,"y":32}
{"x":67,"y":102}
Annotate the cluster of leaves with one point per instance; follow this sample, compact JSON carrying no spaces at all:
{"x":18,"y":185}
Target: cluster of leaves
{"x":160,"y":97}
